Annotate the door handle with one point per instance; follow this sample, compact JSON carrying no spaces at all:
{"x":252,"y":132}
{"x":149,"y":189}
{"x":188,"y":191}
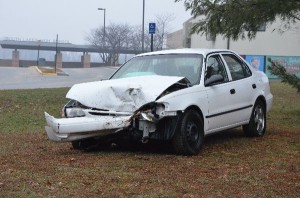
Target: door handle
{"x":254,"y":86}
{"x":232,"y":91}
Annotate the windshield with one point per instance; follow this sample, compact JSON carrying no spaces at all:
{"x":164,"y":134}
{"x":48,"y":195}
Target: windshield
{"x":182,"y":65}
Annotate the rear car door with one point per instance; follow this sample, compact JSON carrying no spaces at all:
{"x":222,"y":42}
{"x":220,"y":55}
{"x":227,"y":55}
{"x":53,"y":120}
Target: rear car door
{"x":243,"y":84}
{"x":231,"y":101}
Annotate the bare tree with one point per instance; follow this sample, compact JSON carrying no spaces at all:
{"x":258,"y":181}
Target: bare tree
{"x":124,"y":36}
{"x":134,"y":39}
{"x":163,"y":27}
{"x":116,"y":38}
{"x":96,"y":38}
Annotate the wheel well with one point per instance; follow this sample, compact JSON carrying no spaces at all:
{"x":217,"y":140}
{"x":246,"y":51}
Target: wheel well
{"x":262,"y":99}
{"x":198,"y":110}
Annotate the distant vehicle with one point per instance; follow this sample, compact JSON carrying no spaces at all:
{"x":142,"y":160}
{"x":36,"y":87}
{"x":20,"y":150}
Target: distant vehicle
{"x":178,"y":95}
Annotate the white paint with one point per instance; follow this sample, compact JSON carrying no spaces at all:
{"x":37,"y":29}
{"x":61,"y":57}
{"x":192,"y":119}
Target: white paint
{"x":62,"y":128}
{"x":125,"y":94}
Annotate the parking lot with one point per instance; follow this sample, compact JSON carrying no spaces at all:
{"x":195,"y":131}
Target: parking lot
{"x":30,"y":78}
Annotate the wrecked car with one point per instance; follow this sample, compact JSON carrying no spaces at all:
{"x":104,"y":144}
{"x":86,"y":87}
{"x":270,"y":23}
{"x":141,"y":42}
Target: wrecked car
{"x":174,"y":95}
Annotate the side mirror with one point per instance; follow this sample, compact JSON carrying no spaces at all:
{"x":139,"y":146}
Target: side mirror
{"x":214,"y":79}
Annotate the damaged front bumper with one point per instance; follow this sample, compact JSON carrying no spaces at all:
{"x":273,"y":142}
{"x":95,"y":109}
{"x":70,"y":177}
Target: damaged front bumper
{"x":81,"y":122}
{"x":71,"y":129}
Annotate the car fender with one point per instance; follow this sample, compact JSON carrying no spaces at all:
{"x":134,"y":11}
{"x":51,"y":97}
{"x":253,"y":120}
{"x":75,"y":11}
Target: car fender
{"x":185,"y":98}
{"x":264,"y":90}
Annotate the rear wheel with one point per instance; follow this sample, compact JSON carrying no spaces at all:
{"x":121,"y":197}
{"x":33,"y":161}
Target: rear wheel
{"x":257,"y":124}
{"x":189,"y":135}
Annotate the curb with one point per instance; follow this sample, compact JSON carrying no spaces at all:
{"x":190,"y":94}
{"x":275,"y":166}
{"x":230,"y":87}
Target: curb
{"x":45,"y":73}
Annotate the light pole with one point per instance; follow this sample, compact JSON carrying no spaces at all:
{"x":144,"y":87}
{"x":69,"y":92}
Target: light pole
{"x":38,"y":55}
{"x":104,"y":21}
{"x":56,"y":53}
{"x":143,"y":28}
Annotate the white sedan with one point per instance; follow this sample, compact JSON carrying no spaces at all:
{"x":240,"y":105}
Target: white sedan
{"x":178,"y":95}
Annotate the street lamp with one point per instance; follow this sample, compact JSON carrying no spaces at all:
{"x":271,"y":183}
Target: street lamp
{"x":104,"y":21}
{"x":143,"y":28}
{"x":38,"y":55}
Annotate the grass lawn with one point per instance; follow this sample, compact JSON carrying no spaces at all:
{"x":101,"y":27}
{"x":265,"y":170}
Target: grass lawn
{"x":229,"y":165}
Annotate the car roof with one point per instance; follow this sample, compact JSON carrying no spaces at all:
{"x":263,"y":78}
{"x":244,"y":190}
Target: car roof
{"x":185,"y":51}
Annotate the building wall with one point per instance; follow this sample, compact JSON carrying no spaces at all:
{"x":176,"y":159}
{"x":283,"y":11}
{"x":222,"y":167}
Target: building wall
{"x":5,"y":62}
{"x":269,"y":42}
{"x":175,"y":40}
{"x":180,"y":38}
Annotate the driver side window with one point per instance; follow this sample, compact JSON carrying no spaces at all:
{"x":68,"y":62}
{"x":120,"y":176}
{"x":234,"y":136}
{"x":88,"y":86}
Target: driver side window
{"x":215,"y":66}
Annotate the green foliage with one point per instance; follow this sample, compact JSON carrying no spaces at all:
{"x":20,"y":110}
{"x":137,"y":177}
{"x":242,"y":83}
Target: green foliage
{"x":278,"y":70}
{"x":240,"y":18}
{"x":23,"y":110}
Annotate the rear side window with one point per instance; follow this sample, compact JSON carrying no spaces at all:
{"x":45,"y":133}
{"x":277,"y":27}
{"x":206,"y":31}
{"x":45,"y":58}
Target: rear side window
{"x":238,"y":69}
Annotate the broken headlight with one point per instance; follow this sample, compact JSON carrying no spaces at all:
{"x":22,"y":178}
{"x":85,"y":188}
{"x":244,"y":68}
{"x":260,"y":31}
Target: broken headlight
{"x":155,"y":112}
{"x":74,"y":112}
{"x":73,"y":109}
{"x":161,"y":111}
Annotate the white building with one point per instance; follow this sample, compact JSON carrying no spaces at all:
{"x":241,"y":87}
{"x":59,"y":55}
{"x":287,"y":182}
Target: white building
{"x":269,"y":42}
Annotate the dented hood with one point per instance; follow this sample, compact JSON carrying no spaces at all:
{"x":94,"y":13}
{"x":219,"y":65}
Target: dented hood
{"x":125,"y":94}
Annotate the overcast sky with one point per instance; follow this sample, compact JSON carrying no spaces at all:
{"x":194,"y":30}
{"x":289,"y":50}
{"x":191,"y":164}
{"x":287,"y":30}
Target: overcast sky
{"x":72,"y":20}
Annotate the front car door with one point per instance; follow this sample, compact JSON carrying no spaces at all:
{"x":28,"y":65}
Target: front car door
{"x":219,"y":94}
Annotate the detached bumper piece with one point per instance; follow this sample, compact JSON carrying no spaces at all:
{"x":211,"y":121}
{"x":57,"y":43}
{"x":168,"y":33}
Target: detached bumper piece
{"x":71,"y":129}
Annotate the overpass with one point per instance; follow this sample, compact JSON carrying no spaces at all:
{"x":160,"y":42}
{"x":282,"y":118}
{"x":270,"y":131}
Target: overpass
{"x":51,"y":46}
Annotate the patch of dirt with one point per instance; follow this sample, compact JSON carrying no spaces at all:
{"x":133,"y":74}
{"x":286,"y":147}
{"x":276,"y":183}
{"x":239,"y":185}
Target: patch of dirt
{"x":229,"y":165}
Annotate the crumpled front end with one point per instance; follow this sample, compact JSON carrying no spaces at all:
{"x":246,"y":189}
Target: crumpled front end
{"x":102,"y":108}
{"x":82,"y":123}
{"x":76,"y":128}
{"x":154,"y":121}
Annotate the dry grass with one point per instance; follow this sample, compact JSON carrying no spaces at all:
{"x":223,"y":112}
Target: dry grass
{"x":230,"y":165}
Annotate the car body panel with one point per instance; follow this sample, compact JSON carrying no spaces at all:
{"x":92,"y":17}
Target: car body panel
{"x":63,"y":128}
{"x":125,"y":94}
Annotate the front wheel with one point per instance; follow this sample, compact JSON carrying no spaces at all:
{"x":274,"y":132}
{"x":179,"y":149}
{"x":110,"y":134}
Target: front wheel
{"x":189,"y":135}
{"x":257,"y":124}
{"x":83,"y":144}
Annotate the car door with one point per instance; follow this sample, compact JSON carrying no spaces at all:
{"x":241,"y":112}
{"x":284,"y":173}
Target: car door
{"x":243,"y":84}
{"x":220,"y":95}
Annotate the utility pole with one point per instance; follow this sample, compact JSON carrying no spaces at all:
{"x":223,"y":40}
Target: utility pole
{"x":55,"y":53}
{"x":143,"y":26}
{"x":104,"y":34}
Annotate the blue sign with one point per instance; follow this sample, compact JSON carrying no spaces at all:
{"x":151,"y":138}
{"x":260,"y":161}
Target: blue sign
{"x":152,"y":27}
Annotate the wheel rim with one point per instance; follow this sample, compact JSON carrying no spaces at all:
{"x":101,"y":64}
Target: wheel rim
{"x":192,"y":132}
{"x":259,"y":119}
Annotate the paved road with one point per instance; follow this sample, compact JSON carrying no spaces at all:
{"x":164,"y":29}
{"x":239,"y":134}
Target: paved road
{"x":30,"y":78}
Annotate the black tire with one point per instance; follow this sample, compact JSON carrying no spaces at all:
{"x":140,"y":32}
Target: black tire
{"x":258,"y":122}
{"x":83,"y":144}
{"x":189,"y":135}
